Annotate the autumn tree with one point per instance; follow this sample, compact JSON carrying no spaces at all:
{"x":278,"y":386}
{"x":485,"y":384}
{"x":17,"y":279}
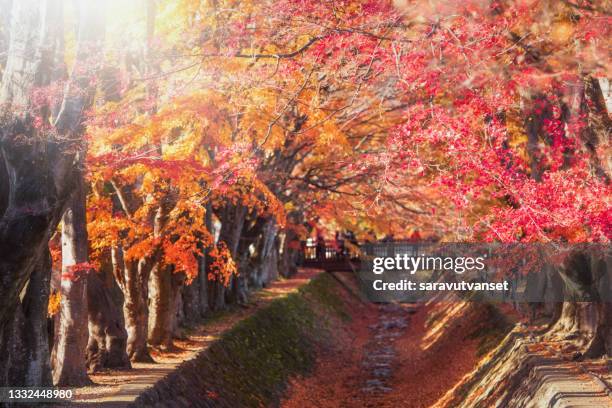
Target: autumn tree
{"x":510,"y":122}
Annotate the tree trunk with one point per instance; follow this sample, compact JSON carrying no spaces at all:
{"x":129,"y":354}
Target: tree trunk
{"x":253,"y":250}
{"x":24,"y":352}
{"x":12,"y":353}
{"x":597,"y":133}
{"x":69,"y":366}
{"x":601,"y":342}
{"x":239,"y":284}
{"x":164,"y":291}
{"x":195,"y":295}
{"x":268,"y":268}
{"x":5,"y":21}
{"x":191,"y":295}
{"x":553,"y":295}
{"x":36,"y":334}
{"x":133,"y":279}
{"x":34,"y":35}
{"x":136,"y":314}
{"x":587,"y":323}
{"x":231,"y":232}
{"x":216,"y":295}
{"x":291,"y":248}
{"x":179,"y":316}
{"x":107,"y":345}
{"x":203,"y":264}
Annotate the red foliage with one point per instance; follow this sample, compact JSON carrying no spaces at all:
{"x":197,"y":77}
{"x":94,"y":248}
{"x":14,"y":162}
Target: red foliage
{"x":76,"y":271}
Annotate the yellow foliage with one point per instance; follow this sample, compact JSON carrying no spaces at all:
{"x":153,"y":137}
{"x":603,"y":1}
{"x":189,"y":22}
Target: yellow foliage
{"x":54,"y":303}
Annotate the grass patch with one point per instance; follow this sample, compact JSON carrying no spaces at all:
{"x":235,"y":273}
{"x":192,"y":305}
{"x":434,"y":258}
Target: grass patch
{"x":324,"y":291}
{"x":249,"y":366}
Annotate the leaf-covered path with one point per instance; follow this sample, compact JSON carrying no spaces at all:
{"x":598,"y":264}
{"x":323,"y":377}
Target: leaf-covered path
{"x":392,"y":356}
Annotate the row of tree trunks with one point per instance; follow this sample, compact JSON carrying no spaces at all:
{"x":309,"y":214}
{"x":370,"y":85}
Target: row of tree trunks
{"x":257,"y":269}
{"x":254,"y":245}
{"x":171,"y":300}
{"x":37,"y":180}
{"x":258,"y":257}
{"x":106,"y":346}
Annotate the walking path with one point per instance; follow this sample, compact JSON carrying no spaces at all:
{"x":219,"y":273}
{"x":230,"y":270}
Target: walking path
{"x":118,"y":388}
